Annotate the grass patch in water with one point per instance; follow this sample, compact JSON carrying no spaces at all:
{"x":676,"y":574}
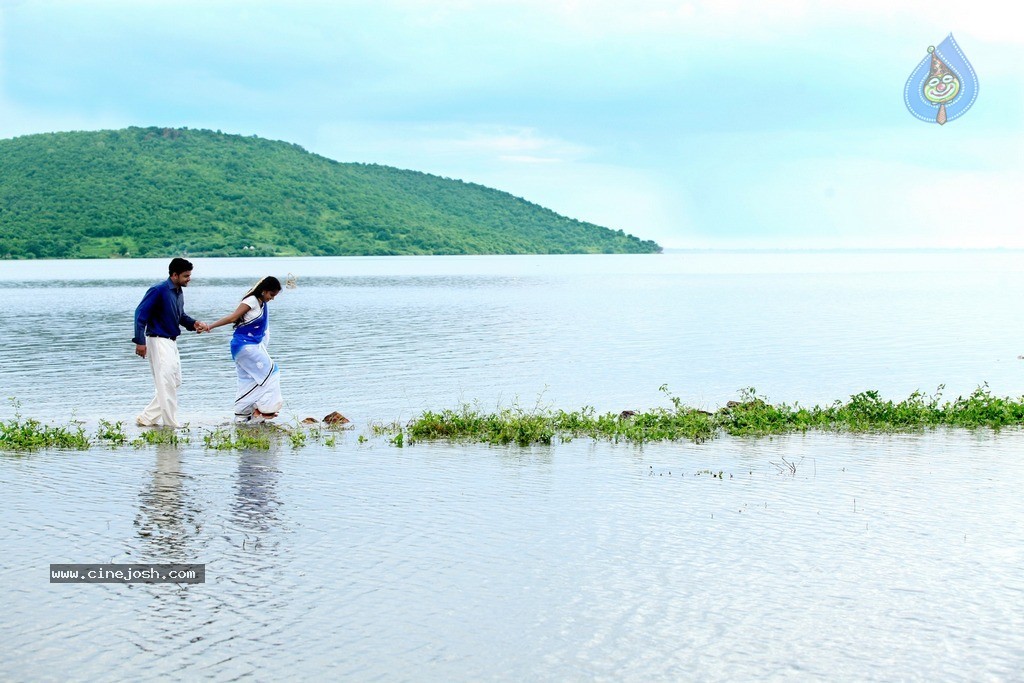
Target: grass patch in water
{"x":31,"y":435}
{"x":161,"y":436}
{"x":752,"y":415}
{"x":19,"y":434}
{"x":237,"y":439}
{"x":509,"y":425}
{"x":26,"y":435}
{"x":261,"y":437}
{"x":111,"y":433}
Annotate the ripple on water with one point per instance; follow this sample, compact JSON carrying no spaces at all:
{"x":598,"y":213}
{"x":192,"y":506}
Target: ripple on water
{"x":879,"y":555}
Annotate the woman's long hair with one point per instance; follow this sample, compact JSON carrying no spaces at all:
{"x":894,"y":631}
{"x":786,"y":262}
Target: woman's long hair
{"x":267,"y":284}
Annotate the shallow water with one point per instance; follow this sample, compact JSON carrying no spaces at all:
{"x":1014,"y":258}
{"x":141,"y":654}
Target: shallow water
{"x":880,"y":558}
{"x":385,"y":338}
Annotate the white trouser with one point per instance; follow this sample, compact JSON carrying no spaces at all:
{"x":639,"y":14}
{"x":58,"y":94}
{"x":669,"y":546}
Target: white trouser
{"x":165,"y":363}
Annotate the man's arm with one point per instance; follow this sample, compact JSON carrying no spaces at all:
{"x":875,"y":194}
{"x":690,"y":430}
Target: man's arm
{"x":142,"y":313}
{"x":190,"y":323}
{"x":187,"y":321}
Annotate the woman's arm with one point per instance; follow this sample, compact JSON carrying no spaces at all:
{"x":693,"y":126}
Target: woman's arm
{"x":239,"y":312}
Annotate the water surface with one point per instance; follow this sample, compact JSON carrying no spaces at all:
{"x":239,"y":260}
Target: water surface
{"x":879,"y":558}
{"x":385,"y":338}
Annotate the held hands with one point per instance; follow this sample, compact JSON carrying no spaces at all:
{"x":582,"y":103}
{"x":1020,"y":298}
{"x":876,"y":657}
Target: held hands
{"x":200,"y":327}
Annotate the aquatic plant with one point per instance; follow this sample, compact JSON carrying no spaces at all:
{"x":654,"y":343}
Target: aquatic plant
{"x":160,"y":437}
{"x":262,"y":437}
{"x":981,"y":409}
{"x":786,"y":467}
{"x":714,"y":475}
{"x":19,"y":434}
{"x":31,"y":435}
{"x":514,"y":424}
{"x":752,"y":415}
{"x":239,"y":439}
{"x":384,"y":428}
{"x":297,"y":437}
{"x":112,"y":433}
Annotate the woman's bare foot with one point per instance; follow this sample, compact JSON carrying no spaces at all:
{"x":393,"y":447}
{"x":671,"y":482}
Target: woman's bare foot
{"x":261,"y":415}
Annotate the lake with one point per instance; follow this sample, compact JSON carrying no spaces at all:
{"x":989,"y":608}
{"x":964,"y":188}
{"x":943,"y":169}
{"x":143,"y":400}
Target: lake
{"x":881,"y":557}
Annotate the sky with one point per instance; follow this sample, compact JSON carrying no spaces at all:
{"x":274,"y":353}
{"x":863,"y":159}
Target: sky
{"x":719,"y":125}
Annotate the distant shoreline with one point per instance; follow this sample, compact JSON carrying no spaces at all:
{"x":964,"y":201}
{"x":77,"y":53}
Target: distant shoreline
{"x":840,"y":250}
{"x":665,"y":252}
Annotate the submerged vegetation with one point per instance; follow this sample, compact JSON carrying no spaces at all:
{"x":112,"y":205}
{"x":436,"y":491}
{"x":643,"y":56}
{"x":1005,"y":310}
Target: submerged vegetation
{"x":21,"y":435}
{"x":752,"y":415}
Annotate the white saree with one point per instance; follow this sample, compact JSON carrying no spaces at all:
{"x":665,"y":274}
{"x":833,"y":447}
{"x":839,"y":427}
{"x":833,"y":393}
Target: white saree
{"x":259,"y":382}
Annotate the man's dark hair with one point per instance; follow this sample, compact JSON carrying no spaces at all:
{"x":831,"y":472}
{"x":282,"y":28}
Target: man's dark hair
{"x":179,"y":265}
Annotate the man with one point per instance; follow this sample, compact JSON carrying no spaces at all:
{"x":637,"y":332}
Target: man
{"x":158,"y":320}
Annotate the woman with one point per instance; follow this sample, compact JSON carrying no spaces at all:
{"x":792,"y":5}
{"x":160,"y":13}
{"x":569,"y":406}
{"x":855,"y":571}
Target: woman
{"x":259,"y":382}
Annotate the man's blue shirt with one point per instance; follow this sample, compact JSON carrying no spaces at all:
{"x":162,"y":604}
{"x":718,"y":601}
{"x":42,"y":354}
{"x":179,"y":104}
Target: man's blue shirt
{"x":161,"y":313}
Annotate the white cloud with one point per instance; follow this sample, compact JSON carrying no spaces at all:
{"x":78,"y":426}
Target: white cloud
{"x":555,"y":173}
{"x":527,"y":159}
{"x":995,"y":20}
{"x":498,"y":142}
{"x":439,"y":145}
{"x":850,"y":202}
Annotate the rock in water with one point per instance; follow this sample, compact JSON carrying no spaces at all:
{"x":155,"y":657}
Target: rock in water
{"x":336,"y":418}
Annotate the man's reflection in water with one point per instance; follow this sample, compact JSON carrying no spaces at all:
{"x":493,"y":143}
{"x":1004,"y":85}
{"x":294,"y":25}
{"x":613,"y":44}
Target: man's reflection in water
{"x":244,"y":572}
{"x":255,"y":507}
{"x":167,"y":521}
{"x":169,"y":525}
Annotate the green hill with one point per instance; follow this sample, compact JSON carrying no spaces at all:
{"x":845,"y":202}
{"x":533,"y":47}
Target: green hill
{"x":167,"y":191}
